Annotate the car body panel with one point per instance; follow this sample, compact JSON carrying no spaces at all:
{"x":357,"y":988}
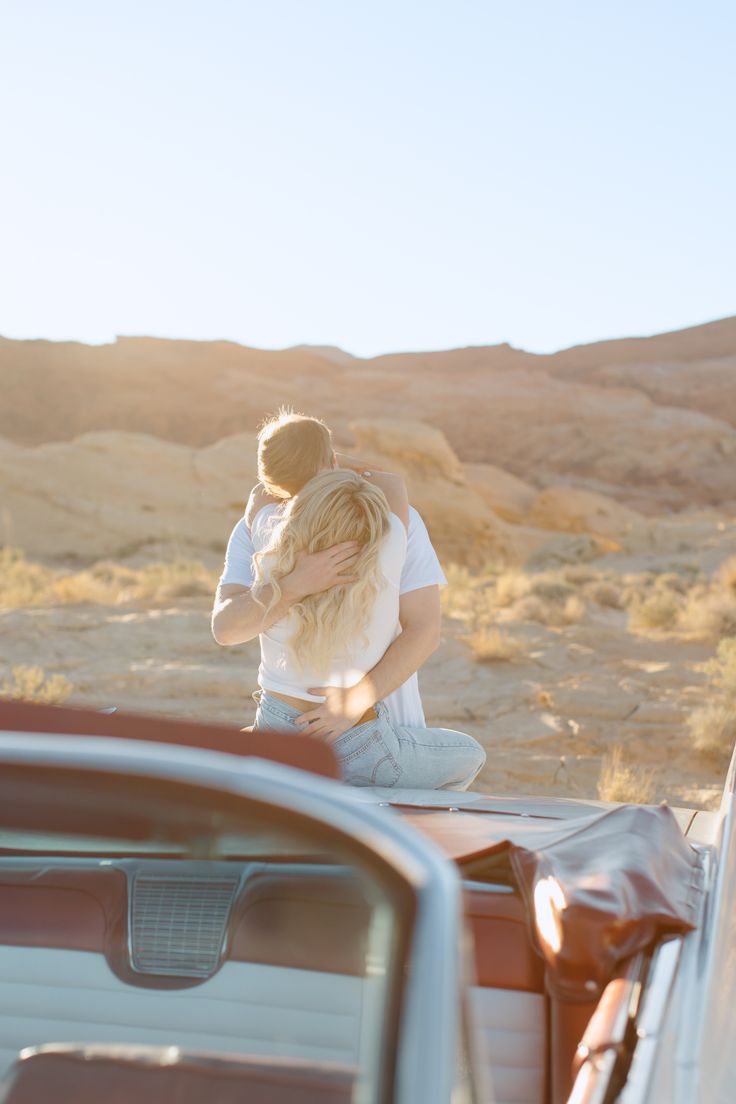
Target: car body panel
{"x":686,"y":1022}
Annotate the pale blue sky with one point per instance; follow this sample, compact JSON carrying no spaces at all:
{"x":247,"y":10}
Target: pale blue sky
{"x":379,"y":175}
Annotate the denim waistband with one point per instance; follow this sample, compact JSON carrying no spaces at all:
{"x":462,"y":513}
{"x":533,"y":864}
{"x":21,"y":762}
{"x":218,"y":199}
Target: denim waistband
{"x":264,"y":699}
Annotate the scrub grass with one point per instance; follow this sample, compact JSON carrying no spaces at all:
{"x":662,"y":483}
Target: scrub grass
{"x":619,"y":781}
{"x":726,"y":575}
{"x":659,"y":610}
{"x":713,"y":730}
{"x":476,"y":599}
{"x":710,"y":614}
{"x":605,"y":593}
{"x":25,"y":584}
{"x":553,"y":614}
{"x":713,"y":726}
{"x":721,"y":670}
{"x":494,"y":646}
{"x":32,"y":684}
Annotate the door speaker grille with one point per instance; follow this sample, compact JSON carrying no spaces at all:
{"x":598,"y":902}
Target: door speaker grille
{"x":178,"y":924}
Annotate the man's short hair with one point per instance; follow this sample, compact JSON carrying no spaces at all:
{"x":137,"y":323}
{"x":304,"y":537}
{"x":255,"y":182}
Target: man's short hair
{"x":292,"y":449}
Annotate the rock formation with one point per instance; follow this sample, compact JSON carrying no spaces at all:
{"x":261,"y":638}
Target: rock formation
{"x":650,"y":422}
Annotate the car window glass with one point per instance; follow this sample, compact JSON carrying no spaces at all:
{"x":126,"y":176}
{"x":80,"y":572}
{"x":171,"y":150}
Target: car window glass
{"x":261,"y":941}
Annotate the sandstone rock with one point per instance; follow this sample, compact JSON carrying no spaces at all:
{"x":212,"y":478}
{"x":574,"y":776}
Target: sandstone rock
{"x":648,"y":418}
{"x":419,"y":450}
{"x":508,"y":496}
{"x":573,"y":510}
{"x":106,"y":494}
{"x":462,"y":526}
{"x":561,"y":549}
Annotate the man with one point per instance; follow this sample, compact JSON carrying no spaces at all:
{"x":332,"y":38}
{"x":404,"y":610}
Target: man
{"x":291,"y":450}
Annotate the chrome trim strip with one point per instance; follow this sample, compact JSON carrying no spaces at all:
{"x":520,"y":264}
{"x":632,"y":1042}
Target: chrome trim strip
{"x":488,"y":887}
{"x":655,"y":1001}
{"x":657,"y":991}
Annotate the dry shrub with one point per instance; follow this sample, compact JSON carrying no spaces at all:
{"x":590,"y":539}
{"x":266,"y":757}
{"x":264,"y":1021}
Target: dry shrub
{"x":535,"y":609}
{"x":574,"y":610}
{"x":551,"y":590}
{"x":178,"y":579}
{"x":722,"y":669}
{"x":604,"y":593}
{"x":24,"y":584}
{"x":710,"y":615}
{"x":458,"y":578}
{"x":668,"y":580}
{"x":632,"y":594}
{"x":620,"y":782}
{"x":579,"y":574}
{"x":468,"y":598}
{"x":511,"y":587}
{"x":552,"y":614}
{"x":34,"y":685}
{"x":457,"y":596}
{"x":494,"y":646}
{"x":726,"y":575}
{"x":713,"y":729}
{"x":532,"y":608}
{"x":83,"y":587}
{"x":660,"y":610}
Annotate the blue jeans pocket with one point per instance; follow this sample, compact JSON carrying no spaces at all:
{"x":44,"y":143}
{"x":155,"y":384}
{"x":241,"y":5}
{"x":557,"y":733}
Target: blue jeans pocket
{"x":275,"y":715}
{"x":366,"y":757}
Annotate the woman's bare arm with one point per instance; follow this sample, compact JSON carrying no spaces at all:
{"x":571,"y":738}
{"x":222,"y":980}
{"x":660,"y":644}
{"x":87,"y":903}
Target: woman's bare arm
{"x":394,"y":488}
{"x":237,"y":617}
{"x":392,"y":485}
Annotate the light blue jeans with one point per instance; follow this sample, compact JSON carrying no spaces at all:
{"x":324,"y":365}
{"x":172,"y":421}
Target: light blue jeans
{"x":381,"y":753}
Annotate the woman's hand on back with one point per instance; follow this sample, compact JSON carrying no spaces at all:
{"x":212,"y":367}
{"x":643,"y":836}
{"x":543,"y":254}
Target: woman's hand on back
{"x":315,"y":572}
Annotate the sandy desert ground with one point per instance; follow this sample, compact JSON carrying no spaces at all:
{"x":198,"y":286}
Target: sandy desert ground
{"x":584,"y":512}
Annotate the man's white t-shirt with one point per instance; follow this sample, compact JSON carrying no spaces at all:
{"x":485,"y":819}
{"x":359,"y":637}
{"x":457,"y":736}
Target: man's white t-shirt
{"x":421,"y":569}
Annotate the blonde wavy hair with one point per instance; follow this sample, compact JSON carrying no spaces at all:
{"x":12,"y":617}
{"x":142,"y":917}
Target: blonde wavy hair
{"x":292,"y":449}
{"x":333,"y":507}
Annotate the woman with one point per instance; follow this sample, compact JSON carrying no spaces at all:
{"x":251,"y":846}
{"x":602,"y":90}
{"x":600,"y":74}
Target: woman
{"x":335,"y":637}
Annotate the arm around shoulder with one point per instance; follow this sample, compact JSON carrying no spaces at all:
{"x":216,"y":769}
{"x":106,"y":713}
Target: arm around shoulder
{"x":394,"y":488}
{"x":257,"y":499}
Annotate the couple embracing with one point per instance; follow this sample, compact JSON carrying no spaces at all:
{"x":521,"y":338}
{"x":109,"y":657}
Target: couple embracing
{"x":334,"y":572}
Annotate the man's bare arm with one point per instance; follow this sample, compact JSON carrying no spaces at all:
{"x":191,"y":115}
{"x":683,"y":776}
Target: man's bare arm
{"x":421,"y":621}
{"x":237,"y":617}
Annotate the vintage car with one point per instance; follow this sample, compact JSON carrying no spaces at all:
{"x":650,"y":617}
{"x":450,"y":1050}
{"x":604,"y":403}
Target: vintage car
{"x":196,"y":914}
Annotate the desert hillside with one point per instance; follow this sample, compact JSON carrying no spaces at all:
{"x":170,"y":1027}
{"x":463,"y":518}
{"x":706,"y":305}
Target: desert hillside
{"x":650,"y":421}
{"x":583,"y":506}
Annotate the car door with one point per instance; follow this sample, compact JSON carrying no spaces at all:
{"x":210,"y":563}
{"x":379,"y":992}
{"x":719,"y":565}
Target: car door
{"x":237,"y":910}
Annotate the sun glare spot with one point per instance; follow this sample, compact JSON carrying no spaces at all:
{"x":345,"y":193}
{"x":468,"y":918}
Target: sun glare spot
{"x":549,"y":902}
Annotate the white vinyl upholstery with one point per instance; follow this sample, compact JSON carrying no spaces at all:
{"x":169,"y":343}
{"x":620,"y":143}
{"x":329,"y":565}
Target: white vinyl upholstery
{"x":247,"y":1008}
{"x":61,"y":996}
{"x":509,"y":1029}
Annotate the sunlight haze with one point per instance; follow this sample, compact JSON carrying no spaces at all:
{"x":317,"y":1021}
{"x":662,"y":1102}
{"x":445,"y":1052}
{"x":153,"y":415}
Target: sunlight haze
{"x":380,"y":176}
